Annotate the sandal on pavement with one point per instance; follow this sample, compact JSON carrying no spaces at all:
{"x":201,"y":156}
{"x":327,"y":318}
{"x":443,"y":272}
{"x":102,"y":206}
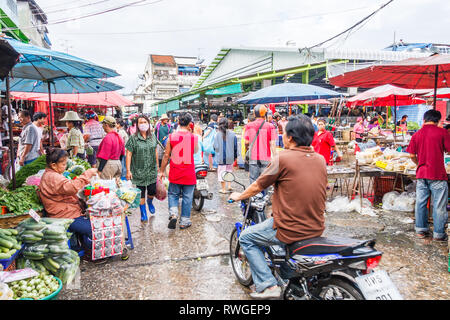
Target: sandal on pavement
{"x":443,"y":239}
{"x":422,"y":234}
{"x":223,"y":191}
{"x":185,"y":226}
{"x":172,"y":222}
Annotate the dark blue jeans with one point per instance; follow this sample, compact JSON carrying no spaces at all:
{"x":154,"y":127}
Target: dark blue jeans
{"x":186,"y":193}
{"x":82,"y":227}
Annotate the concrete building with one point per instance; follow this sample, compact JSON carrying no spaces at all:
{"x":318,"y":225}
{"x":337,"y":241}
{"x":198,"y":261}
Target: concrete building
{"x":9,"y":20}
{"x":33,"y":21}
{"x":166,"y":76}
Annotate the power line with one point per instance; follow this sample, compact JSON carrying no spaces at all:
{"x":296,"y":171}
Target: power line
{"x":72,"y":8}
{"x":352,"y":27}
{"x":219,"y":27}
{"x":37,"y":12}
{"x":84,"y":16}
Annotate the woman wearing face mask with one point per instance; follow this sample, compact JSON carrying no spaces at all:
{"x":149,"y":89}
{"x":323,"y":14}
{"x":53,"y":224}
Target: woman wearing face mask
{"x":142,"y":163}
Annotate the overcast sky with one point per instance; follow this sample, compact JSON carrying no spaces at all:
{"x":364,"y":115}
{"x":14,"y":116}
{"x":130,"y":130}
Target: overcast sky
{"x":123,"y":39}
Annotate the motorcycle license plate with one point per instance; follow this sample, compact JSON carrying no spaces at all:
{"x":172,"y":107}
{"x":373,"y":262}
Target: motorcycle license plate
{"x":202,"y":185}
{"x":378,"y":286}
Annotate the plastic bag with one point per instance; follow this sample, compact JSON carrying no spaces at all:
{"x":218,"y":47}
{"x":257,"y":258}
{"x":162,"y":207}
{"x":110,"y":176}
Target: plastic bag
{"x":389,"y":199}
{"x":339,"y":204}
{"x":137,"y":200}
{"x":405,"y":202}
{"x":161,"y":192}
{"x":342,"y":204}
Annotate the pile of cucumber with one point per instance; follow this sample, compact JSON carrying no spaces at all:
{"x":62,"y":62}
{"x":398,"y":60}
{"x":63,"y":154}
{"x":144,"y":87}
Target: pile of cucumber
{"x":9,"y":244}
{"x":47,"y":249}
{"x":36,"y":288}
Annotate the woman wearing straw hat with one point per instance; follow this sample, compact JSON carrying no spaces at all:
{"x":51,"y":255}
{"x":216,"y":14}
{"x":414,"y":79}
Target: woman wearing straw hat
{"x":75,"y":140}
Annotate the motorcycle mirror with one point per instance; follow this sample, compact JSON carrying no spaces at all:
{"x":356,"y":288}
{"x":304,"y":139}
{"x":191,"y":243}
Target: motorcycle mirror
{"x":228,"y":177}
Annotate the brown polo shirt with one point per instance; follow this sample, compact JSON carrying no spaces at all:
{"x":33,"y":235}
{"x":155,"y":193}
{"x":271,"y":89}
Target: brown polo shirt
{"x":299,"y":176}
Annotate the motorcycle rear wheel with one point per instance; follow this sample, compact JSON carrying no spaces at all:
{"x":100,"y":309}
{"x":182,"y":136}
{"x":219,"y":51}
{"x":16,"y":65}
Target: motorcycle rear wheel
{"x":239,"y":262}
{"x":336,"y":288}
{"x":198,"y":202}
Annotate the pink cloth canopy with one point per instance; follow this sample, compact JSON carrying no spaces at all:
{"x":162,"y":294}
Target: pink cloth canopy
{"x":104,"y":99}
{"x":388,"y":95}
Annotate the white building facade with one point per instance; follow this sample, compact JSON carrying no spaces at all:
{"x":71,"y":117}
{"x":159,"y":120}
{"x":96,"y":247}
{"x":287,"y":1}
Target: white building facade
{"x":166,"y":76}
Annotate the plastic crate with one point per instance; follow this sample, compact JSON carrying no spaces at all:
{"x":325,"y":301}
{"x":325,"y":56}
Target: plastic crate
{"x":7,"y":262}
{"x":383,"y":185}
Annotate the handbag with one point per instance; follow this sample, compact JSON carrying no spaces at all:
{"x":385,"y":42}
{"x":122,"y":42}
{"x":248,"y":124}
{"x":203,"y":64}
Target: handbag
{"x":247,"y":154}
{"x":208,"y":142}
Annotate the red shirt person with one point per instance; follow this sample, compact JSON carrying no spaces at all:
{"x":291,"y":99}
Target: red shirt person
{"x":323,"y":142}
{"x":181,"y":147}
{"x":261,"y":145}
{"x":427,"y":148}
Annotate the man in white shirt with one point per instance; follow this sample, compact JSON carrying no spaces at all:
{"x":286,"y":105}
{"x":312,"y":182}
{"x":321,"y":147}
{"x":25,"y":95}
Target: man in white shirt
{"x":39,"y":119}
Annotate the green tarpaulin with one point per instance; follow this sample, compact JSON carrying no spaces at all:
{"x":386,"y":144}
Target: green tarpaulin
{"x":173,"y":105}
{"x":231,"y":89}
{"x":190,"y":98}
{"x":162,"y":109}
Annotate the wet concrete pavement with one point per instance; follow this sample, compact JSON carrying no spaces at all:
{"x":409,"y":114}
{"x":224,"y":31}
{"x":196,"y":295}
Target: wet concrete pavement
{"x":194,"y":263}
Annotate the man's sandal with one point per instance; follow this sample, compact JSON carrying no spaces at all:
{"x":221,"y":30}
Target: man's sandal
{"x":185,"y":226}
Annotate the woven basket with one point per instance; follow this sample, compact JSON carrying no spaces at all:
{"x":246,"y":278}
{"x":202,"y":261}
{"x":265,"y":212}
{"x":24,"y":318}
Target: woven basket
{"x":12,"y":222}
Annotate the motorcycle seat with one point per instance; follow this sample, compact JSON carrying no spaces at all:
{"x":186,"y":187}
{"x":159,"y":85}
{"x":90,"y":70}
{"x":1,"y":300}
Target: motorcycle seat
{"x":201,"y":167}
{"x":323,"y":245}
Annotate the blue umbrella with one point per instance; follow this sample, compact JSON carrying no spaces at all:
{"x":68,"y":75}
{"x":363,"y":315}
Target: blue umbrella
{"x":49,"y":66}
{"x":60,"y":85}
{"x":44,"y":64}
{"x":285,"y":92}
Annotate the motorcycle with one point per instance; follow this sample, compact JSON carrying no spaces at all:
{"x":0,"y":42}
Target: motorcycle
{"x":321,"y":268}
{"x":201,"y":191}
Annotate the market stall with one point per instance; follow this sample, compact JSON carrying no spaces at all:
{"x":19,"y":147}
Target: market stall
{"x":38,"y":252}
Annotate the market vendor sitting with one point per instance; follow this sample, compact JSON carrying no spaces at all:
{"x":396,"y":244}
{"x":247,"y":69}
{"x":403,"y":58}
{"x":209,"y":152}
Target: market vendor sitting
{"x":59,"y":194}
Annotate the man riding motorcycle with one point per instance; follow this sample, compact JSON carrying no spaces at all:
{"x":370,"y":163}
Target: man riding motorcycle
{"x":299,"y":176}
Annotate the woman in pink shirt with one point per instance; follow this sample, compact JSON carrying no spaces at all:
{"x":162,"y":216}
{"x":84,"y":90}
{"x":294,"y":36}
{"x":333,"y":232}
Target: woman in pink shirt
{"x":358,"y":129}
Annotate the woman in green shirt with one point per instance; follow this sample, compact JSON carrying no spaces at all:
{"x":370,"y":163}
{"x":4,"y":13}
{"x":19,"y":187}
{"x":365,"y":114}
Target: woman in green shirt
{"x":142,"y":163}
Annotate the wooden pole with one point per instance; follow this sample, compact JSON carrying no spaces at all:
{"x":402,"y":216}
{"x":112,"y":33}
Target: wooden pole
{"x":436,"y":75}
{"x":11,"y":135}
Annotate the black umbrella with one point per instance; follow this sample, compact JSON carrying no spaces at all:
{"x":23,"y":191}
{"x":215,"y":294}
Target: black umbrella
{"x":8,"y":59}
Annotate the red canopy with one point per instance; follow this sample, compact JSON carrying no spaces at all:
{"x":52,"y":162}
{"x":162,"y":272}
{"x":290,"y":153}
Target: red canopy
{"x":413,"y":73}
{"x":387,"y":95}
{"x":103,"y":99}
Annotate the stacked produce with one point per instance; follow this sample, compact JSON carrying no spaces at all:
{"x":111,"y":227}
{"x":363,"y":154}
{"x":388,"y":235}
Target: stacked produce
{"x":46,"y":247}
{"x":37,"y":287}
{"x":33,"y":168}
{"x":20,"y":201}
{"x":29,"y":170}
{"x":9,"y":244}
{"x":76,"y":167}
{"x":389,"y":160}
